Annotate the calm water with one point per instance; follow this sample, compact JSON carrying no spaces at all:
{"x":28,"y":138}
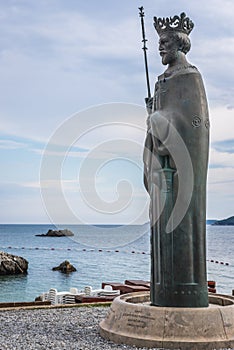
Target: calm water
{"x":103,"y":253}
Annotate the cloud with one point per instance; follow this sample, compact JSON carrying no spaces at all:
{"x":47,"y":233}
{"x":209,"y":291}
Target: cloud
{"x":221,"y":120}
{"x":220,"y":198}
{"x":60,"y":57}
{"x":51,"y":65}
{"x":9,"y":144}
{"x":16,"y":190}
{"x":221,"y":159}
{"x":226,"y":146}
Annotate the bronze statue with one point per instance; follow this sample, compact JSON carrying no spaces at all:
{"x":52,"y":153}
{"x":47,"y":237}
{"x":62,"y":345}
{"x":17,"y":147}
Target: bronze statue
{"x":175,"y":172}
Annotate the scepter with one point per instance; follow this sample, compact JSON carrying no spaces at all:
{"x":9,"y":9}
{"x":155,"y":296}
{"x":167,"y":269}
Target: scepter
{"x":144,"y":48}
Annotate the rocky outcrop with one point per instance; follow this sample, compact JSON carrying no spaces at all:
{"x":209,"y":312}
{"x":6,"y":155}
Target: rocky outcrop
{"x":65,"y":267}
{"x":56,"y":233}
{"x":12,"y":264}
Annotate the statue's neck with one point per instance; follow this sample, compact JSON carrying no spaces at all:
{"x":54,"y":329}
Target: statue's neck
{"x":179,"y":63}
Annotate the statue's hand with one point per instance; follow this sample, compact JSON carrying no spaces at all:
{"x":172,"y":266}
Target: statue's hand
{"x":149,"y":104}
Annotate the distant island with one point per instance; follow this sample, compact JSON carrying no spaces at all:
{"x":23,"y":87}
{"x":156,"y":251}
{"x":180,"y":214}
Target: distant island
{"x":55,"y":233}
{"x":210,"y":221}
{"x":224,"y":222}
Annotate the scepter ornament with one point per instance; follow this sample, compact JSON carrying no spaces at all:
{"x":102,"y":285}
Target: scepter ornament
{"x":144,"y":48}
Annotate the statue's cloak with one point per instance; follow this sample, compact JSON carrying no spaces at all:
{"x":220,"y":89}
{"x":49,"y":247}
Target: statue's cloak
{"x":178,"y":130}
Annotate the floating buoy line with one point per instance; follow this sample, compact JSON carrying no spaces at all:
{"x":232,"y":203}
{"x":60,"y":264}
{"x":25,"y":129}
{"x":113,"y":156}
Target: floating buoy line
{"x":218,"y":262}
{"x":100,"y":250}
{"x":77,"y":249}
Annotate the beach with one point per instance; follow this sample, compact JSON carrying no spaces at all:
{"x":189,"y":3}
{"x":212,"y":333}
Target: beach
{"x":54,"y":328}
{"x":76,"y":327}
{"x":70,"y":328}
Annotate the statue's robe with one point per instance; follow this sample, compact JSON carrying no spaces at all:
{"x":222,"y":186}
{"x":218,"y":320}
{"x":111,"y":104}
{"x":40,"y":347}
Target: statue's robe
{"x":175,"y":160}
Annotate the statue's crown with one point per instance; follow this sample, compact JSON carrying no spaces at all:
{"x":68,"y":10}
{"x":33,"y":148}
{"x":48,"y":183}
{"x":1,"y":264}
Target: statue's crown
{"x":182,"y":24}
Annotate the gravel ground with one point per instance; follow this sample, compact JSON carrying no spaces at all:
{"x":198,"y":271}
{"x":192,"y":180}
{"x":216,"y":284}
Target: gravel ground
{"x":57,"y":329}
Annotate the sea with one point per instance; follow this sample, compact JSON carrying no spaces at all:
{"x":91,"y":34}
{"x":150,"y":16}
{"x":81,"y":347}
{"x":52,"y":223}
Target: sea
{"x":100,"y":253}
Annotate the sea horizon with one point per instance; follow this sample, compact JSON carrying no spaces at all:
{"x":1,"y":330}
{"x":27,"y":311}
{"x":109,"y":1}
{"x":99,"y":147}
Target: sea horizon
{"x":100,"y":254}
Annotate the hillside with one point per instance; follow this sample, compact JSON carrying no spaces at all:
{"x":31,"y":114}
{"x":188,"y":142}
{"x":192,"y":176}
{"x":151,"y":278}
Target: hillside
{"x":225,"y":222}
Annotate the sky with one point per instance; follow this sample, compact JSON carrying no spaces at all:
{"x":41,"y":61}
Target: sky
{"x":72,"y":110}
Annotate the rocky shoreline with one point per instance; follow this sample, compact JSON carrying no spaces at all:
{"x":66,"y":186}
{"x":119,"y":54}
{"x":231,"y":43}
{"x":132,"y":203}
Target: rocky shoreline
{"x":12,"y":264}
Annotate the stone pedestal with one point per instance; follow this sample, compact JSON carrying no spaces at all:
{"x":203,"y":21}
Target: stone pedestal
{"x":133,"y":321}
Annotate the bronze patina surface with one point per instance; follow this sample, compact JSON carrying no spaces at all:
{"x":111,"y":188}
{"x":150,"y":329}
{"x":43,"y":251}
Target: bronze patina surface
{"x":175,"y":172}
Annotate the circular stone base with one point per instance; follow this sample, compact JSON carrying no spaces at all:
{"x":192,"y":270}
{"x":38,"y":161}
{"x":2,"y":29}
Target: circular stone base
{"x":133,"y":321}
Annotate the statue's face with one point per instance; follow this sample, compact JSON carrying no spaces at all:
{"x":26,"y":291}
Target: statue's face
{"x":168,"y":49}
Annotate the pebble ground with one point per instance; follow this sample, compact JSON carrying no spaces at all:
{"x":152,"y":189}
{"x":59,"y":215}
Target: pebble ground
{"x":57,"y":329}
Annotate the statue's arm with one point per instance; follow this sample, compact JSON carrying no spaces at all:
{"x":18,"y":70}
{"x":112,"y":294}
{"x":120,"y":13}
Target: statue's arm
{"x":149,"y":104}
{"x":149,"y":108}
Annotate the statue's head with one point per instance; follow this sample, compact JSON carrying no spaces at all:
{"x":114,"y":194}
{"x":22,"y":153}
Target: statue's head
{"x":171,"y":43}
{"x":173,"y":36}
